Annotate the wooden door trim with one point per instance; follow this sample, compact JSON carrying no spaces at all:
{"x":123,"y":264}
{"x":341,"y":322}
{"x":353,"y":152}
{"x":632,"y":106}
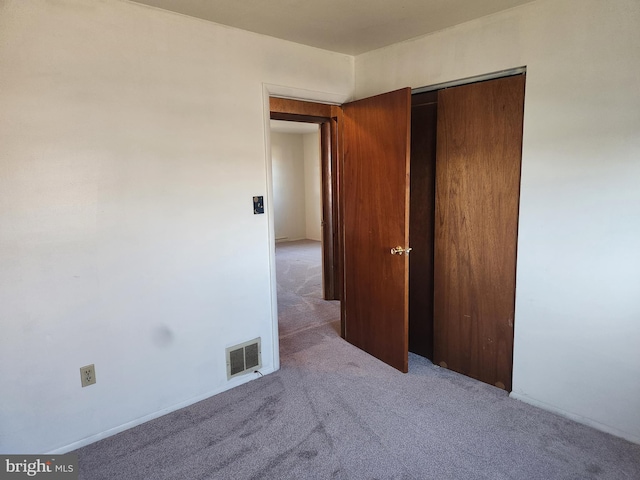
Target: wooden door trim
{"x":325,"y":115}
{"x":288,"y":106}
{"x":510,"y":72}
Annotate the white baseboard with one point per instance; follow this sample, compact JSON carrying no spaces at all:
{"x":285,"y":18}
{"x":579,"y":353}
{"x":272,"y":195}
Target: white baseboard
{"x":576,"y":418}
{"x":236,"y":382}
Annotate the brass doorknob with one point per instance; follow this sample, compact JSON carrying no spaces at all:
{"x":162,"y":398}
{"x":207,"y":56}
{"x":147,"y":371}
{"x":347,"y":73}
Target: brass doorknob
{"x":400,"y":251}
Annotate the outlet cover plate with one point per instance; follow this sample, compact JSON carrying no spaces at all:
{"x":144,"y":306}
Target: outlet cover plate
{"x":88,"y":375}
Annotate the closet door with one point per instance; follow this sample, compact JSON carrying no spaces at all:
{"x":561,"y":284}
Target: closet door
{"x":375,"y":192}
{"x":479,"y":143}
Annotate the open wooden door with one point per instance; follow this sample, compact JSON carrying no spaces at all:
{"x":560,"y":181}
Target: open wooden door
{"x":375,"y":195}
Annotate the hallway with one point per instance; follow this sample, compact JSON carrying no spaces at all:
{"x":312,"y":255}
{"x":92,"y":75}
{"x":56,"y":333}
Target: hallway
{"x":299,"y":279}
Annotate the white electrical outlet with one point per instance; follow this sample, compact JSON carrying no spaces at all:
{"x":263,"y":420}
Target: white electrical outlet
{"x":88,"y":375}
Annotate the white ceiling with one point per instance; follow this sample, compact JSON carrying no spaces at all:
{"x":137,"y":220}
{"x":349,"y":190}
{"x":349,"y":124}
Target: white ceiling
{"x":346,"y":26}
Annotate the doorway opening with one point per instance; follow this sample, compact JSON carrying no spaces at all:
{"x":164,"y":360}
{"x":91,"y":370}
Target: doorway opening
{"x":305,"y":285}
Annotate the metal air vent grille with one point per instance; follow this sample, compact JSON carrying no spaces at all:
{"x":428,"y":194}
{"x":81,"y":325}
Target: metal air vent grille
{"x":244,"y":358}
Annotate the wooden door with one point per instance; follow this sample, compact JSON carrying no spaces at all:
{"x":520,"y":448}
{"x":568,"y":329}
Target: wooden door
{"x":375,"y":193}
{"x":479,"y":142}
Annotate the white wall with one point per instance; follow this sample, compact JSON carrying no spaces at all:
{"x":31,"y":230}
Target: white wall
{"x":577,"y":321}
{"x":133,"y":141}
{"x":287,"y":160}
{"x":296,"y":186}
{"x":312,"y":186}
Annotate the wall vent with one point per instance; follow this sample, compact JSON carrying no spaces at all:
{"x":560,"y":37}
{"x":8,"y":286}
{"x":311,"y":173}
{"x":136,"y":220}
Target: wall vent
{"x":244,"y":358}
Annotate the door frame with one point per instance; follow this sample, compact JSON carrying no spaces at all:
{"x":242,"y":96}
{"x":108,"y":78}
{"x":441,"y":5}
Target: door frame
{"x":326,"y":116}
{"x":292,"y":93}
